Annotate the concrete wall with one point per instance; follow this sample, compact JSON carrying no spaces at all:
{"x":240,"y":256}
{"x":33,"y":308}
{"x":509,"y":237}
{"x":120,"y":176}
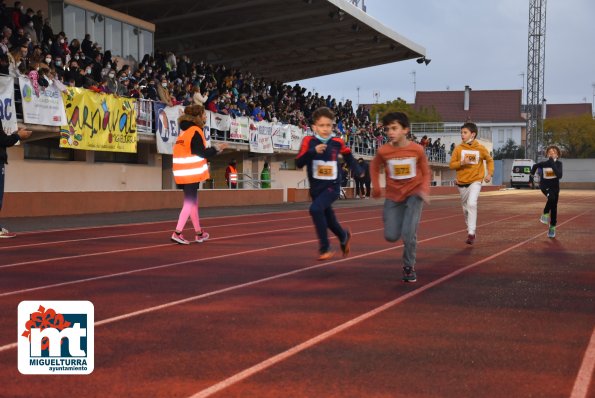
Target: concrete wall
{"x":578,"y":173}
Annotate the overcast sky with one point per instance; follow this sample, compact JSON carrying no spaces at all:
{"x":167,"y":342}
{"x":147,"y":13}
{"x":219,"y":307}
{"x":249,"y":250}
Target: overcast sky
{"x":480,"y":43}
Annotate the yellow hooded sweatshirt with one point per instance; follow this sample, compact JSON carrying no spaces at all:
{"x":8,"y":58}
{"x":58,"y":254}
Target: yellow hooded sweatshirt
{"x":473,"y":170}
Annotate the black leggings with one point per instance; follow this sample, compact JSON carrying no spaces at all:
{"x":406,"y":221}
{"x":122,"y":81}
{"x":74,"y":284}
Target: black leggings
{"x":551,"y":205}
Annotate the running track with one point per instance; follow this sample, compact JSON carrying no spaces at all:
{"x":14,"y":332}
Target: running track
{"x":251,"y":313}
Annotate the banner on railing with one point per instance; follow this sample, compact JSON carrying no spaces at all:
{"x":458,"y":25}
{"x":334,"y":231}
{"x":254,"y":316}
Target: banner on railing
{"x":240,"y":128}
{"x":45,"y":108}
{"x":296,"y":137}
{"x":166,"y":126}
{"x":281,"y":136}
{"x":8,"y":114}
{"x":98,"y":122}
{"x":261,"y":140}
{"x":220,"y":122}
{"x":144,"y":119}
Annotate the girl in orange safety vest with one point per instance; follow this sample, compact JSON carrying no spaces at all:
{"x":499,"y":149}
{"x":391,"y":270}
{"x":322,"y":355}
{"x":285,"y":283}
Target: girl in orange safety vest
{"x":190,"y":155}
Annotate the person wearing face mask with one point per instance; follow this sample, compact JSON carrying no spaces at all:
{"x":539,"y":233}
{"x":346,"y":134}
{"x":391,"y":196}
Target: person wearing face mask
{"x":163,"y":92}
{"x":30,"y":30}
{"x":87,"y":77}
{"x":151,"y":91}
{"x":112,"y":83}
{"x":58,"y":68}
{"x":48,"y":60}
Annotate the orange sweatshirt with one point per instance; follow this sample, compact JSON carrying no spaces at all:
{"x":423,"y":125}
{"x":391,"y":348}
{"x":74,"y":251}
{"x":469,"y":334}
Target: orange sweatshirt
{"x":474,"y":171}
{"x":407,"y":171}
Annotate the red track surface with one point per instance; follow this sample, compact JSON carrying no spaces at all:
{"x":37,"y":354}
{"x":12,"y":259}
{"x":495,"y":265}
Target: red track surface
{"x":251,"y":313}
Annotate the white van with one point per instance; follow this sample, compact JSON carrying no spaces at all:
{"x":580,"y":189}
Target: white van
{"x":520,"y":175}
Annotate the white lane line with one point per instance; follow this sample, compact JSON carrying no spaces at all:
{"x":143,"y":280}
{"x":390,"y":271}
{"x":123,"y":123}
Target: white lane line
{"x":45,"y":260}
{"x":196,"y":260}
{"x":585,"y":373}
{"x":248,"y":372}
{"x":158,"y":232}
{"x":258,"y":281}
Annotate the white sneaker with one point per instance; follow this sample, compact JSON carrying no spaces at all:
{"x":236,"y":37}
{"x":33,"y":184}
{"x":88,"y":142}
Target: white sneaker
{"x":4,"y":233}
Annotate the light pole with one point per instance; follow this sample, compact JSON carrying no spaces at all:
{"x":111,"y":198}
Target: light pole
{"x":522,"y":75}
{"x":376,"y":96}
{"x":358,"y":87}
{"x":593,"y":102}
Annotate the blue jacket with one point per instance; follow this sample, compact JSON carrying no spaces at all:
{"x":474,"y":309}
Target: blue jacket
{"x":329,"y":160}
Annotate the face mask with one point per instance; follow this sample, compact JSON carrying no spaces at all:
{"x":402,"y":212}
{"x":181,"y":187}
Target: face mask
{"x":164,"y":85}
{"x":50,"y":42}
{"x":88,"y":71}
{"x":111,"y":75}
{"x":48,"y":60}
{"x":30,"y":24}
{"x":61,"y":41}
{"x":58,"y":63}
{"x":149,"y":70}
{"x":108,"y":65}
{"x":76,"y":57}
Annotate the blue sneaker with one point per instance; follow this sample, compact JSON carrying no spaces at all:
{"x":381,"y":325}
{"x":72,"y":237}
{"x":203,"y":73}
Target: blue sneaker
{"x":551,"y":233}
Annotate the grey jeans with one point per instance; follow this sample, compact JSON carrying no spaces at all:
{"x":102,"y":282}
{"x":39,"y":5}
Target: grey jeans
{"x":401,"y":220}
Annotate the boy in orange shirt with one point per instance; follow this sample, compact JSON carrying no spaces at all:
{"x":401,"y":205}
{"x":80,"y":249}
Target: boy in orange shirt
{"x":467,"y":159}
{"x":407,"y":187}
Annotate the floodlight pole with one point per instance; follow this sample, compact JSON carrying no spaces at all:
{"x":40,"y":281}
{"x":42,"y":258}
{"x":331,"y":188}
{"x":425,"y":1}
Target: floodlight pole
{"x":535,"y":77}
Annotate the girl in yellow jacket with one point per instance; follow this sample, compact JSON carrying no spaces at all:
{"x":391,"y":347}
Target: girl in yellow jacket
{"x":468,"y":160}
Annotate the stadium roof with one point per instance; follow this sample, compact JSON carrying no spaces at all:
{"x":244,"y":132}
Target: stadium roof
{"x":284,"y":40}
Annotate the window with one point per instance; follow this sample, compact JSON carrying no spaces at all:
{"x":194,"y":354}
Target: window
{"x":96,"y":28}
{"x":287,"y":165}
{"x":130,"y":42}
{"x":146,"y":43}
{"x":113,"y":36}
{"x":74,"y":22}
{"x":501,"y":135}
{"x":47,"y":149}
{"x":508,"y":134}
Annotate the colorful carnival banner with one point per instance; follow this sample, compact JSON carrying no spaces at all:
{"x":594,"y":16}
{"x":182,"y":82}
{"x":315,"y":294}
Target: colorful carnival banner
{"x":45,"y":107}
{"x":98,"y":122}
{"x":166,"y":126}
{"x":8,"y":115}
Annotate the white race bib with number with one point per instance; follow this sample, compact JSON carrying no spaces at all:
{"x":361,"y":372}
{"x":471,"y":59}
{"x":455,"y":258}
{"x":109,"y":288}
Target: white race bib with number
{"x":471,"y":157}
{"x":403,"y":168}
{"x":548,"y":173}
{"x":322,"y":170}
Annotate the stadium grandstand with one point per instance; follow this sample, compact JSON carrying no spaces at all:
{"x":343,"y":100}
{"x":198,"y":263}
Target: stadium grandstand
{"x":101,"y":84}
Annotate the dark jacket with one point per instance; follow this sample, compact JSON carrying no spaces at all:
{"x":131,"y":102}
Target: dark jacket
{"x":5,"y":142}
{"x":554,"y":181}
{"x":196,"y":145}
{"x":335,"y":147}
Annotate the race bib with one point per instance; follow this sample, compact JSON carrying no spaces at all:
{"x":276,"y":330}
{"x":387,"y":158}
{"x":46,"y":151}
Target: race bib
{"x":548,"y":173}
{"x":401,"y":169}
{"x":322,"y":170}
{"x":471,"y":157}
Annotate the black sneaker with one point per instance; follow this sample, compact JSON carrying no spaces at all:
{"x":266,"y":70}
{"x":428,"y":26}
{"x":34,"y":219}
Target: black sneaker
{"x":409,"y":274}
{"x":345,"y":245}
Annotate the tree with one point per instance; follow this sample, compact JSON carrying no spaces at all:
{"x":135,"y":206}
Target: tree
{"x":510,"y":150}
{"x":424,"y":115}
{"x":575,"y":135}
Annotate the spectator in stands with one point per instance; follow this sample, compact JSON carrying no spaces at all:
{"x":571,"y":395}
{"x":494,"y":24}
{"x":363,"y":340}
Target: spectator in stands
{"x":4,"y":64}
{"x":87,"y":46}
{"x":38,"y":25}
{"x":74,"y":46}
{"x":197,"y":97}
{"x":17,"y":14}
{"x":5,"y":142}
{"x":47,"y":32}
{"x":4,"y":45}
{"x":190,"y":167}
{"x":163,"y":92}
{"x":112,"y":82}
{"x":29,"y":28}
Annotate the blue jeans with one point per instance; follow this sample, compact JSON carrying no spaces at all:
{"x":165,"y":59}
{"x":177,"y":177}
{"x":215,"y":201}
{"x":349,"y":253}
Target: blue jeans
{"x":324,"y":217}
{"x":401,"y":220}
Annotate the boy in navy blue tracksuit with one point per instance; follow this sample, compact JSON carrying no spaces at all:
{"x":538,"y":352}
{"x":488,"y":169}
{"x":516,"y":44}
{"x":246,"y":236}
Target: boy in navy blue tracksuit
{"x":320,"y":153}
{"x":550,"y":186}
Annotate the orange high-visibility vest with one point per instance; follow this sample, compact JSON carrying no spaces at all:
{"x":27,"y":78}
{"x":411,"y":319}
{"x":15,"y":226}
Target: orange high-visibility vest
{"x":189,"y":168}
{"x":233,"y":174}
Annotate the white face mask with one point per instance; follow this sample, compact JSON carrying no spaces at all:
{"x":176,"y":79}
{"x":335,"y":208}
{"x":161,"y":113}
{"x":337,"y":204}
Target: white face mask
{"x":76,"y":57}
{"x":111,"y":75}
{"x":164,"y":85}
{"x":108,"y":65}
{"x":58,"y":63}
{"x":88,"y":71}
{"x":61,"y":41}
{"x":48,"y":60}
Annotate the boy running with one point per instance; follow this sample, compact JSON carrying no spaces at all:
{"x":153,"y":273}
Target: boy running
{"x":550,"y":186}
{"x":467,"y":159}
{"x":320,"y":153}
{"x":407,"y":187}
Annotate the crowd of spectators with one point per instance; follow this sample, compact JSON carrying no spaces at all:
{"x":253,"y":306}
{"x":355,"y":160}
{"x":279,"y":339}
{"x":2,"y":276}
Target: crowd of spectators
{"x":29,"y":47}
